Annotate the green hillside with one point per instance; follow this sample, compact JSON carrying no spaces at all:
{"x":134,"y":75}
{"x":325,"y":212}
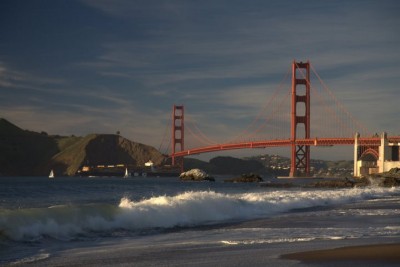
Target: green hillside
{"x":105,"y":149}
{"x":28,"y":153}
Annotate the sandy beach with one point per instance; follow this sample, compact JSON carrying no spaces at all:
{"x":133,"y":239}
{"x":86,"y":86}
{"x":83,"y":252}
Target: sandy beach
{"x":379,"y":253}
{"x":127,"y":253}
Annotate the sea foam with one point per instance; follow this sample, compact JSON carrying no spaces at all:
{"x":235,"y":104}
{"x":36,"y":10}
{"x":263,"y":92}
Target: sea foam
{"x":193,"y":208}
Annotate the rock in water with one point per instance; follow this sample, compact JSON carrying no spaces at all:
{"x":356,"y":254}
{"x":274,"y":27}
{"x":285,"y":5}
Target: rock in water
{"x":246,"y":178}
{"x":195,"y":175}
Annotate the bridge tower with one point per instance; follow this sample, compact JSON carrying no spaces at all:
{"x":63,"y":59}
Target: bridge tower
{"x":300,"y":156}
{"x":177,"y":134}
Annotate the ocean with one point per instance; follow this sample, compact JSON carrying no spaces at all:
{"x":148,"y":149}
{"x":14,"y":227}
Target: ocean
{"x":138,"y":221}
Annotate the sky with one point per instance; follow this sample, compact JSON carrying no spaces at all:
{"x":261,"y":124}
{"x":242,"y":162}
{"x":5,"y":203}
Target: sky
{"x":75,"y":67}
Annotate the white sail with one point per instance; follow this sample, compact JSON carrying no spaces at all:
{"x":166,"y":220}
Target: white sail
{"x":127,"y":174}
{"x":51,"y":175}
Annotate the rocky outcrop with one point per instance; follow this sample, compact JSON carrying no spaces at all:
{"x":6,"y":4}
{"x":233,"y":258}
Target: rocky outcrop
{"x":246,"y":178}
{"x":340,"y":183}
{"x":386,"y":179}
{"x":195,"y":175}
{"x":375,"y":180}
{"x":391,"y":181}
{"x":394,"y":172}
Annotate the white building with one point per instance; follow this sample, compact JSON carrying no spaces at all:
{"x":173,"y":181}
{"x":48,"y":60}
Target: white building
{"x":375,"y":159}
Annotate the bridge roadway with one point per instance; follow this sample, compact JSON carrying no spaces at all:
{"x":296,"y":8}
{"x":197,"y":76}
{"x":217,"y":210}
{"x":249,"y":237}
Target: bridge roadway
{"x":371,"y":141}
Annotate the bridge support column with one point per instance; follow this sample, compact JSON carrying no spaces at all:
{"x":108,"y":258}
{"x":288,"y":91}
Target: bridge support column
{"x":300,"y":156}
{"x":177,"y":134}
{"x":383,"y":153}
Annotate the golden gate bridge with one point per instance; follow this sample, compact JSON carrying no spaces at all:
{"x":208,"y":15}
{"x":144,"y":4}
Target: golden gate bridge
{"x":285,"y":121}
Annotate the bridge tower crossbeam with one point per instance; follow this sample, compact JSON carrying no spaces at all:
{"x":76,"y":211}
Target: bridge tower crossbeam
{"x":300,"y":154}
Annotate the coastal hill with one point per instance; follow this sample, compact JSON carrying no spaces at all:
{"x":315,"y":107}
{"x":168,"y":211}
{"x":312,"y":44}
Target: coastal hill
{"x":29,"y":153}
{"x":101,"y":149}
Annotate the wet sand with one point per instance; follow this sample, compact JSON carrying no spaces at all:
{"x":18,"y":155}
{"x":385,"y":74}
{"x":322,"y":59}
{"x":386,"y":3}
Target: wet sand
{"x":129,"y":254}
{"x":382,"y":253}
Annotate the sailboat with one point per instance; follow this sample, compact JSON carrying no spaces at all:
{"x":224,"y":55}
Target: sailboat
{"x":127,"y":174}
{"x":51,"y":175}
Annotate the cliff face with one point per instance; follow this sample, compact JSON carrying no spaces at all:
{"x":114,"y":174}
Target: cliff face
{"x":30,"y":153}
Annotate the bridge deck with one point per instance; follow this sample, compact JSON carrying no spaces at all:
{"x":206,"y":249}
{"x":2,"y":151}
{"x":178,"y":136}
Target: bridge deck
{"x":372,"y":141}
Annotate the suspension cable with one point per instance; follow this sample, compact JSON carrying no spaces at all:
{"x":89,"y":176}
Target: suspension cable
{"x":245,"y":133}
{"x":199,"y":138}
{"x":167,"y":127}
{"x":271,"y":116}
{"x":359,"y":124}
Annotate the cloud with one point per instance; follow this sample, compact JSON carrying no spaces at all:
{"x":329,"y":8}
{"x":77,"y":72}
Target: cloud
{"x":137,"y":8}
{"x":253,"y":46}
{"x":11,"y":78}
{"x":223,"y":60}
{"x":132,"y":124}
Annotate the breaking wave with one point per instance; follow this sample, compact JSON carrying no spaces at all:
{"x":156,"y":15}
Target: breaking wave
{"x":182,"y":210}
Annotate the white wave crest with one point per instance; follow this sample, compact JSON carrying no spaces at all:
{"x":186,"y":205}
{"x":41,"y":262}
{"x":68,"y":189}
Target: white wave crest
{"x":266,"y":241}
{"x":186,"y":209}
{"x":197,"y":208}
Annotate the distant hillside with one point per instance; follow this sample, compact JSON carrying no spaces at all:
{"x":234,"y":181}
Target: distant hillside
{"x":30,"y":153}
{"x":280,"y":166}
{"x":226,"y":165}
{"x":23,"y":152}
{"x":102,"y":149}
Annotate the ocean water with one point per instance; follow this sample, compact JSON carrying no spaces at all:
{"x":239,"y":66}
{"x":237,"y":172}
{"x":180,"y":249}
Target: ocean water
{"x":71,"y":221}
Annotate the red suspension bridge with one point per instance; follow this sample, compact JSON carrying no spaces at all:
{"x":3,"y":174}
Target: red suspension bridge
{"x":286,"y":121}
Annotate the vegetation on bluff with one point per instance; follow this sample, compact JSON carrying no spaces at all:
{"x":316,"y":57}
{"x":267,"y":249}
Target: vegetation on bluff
{"x":31,"y":153}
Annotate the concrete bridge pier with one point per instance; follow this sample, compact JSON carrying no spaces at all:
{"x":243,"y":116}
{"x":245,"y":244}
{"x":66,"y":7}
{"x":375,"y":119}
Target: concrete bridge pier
{"x":375,"y":159}
{"x":356,"y":168}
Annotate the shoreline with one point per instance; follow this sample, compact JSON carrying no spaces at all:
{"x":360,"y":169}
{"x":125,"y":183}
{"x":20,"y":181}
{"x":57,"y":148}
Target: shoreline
{"x":382,"y":253}
{"x":332,"y":182}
